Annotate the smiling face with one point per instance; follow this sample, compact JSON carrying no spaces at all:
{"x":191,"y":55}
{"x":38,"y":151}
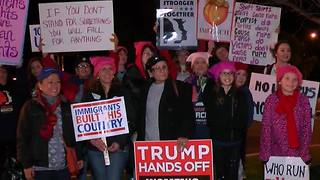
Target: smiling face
{"x":106,"y":74}
{"x":222,"y":53}
{"x":283,"y":53}
{"x":160,"y":72}
{"x":51,"y":85}
{"x":226,"y":78}
{"x":241,"y":77}
{"x":83,"y":70}
{"x":146,"y":54}
{"x":289,"y":83}
{"x":200,"y":66}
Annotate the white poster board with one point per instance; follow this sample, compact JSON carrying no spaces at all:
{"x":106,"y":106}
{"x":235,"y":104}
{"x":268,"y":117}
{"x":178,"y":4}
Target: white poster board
{"x":262,"y":85}
{"x":35,"y":36}
{"x":76,"y":26}
{"x":177,"y":24}
{"x":215,"y":20}
{"x":283,"y":168}
{"x":254,"y":31}
{"x":99,"y":119}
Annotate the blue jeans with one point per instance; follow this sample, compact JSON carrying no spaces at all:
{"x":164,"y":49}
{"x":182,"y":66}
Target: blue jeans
{"x":114,"y":171}
{"x":52,"y":175}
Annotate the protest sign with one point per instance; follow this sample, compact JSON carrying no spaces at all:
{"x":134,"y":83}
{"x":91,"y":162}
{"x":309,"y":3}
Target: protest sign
{"x":35,"y":35}
{"x":99,"y":119}
{"x":261,"y":86}
{"x":76,"y":26}
{"x":177,"y":24}
{"x":215,"y":19}
{"x":12,"y":29}
{"x":162,"y":160}
{"x":255,"y":30}
{"x":286,"y":168}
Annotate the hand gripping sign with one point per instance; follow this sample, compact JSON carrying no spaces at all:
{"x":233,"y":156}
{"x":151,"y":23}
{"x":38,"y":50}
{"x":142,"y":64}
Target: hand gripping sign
{"x":99,"y":119}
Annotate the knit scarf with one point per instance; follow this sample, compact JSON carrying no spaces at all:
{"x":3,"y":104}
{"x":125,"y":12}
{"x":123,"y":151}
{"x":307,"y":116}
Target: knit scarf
{"x":286,"y":105}
{"x":46,"y":130}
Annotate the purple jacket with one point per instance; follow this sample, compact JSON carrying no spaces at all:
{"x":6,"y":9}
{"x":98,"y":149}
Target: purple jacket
{"x":274,"y":137}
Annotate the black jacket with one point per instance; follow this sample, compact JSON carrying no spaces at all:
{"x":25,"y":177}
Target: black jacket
{"x":115,"y":90}
{"x":31,"y":148}
{"x":176,"y":114}
{"x":227,"y":120}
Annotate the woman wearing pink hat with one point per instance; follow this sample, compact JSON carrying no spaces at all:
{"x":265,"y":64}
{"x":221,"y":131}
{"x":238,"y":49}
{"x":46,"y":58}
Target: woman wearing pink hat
{"x":105,"y":86}
{"x":286,"y":122}
{"x":226,"y":114}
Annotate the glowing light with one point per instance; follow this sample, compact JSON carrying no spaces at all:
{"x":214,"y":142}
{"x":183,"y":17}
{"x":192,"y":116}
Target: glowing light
{"x":313,"y":35}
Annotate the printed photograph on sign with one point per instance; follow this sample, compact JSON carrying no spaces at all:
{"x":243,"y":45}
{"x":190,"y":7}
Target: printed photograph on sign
{"x":13,"y":17}
{"x":254,"y":32}
{"x":176,"y":24}
{"x":76,"y":26}
{"x":215,"y":19}
{"x":162,"y":160}
{"x":99,"y":119}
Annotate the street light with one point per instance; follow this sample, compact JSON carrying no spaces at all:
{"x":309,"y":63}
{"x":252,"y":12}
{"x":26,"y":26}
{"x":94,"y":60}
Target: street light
{"x":313,"y":35}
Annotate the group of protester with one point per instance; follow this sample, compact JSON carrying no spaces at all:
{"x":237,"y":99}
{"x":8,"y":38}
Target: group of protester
{"x":180,"y":97}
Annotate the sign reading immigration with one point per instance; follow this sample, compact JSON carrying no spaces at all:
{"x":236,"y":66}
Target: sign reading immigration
{"x":255,"y":31}
{"x":99,"y":119}
{"x":261,"y":86}
{"x":286,"y":168}
{"x":215,"y":19}
{"x":13,"y":16}
{"x":177,"y":24}
{"x":162,"y":160}
{"x":76,"y":26}
{"x":35,"y":36}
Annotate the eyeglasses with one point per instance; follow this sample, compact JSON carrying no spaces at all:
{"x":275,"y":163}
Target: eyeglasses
{"x":160,"y":68}
{"x":83,"y":65}
{"x":226,"y":73}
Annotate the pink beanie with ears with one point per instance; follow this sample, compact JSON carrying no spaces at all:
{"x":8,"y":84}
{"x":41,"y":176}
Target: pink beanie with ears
{"x":215,"y":70}
{"x":281,"y":71}
{"x":99,"y":62}
{"x":194,"y":56}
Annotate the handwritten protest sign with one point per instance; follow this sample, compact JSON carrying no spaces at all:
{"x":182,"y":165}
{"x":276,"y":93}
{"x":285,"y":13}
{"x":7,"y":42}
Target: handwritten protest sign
{"x":286,"y":168}
{"x":215,"y":19}
{"x":261,"y":86}
{"x":76,"y":26}
{"x":12,"y":29}
{"x":162,"y":160}
{"x":35,"y":35}
{"x":98,"y":119}
{"x":177,"y":24}
{"x":255,"y":30}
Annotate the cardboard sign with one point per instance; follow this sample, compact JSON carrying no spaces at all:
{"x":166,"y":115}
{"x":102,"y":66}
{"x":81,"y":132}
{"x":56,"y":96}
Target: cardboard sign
{"x":76,"y":26}
{"x":286,"y":168}
{"x":162,"y":160}
{"x":99,"y":119}
{"x":255,"y":31}
{"x":177,"y":24}
{"x":261,"y":86}
{"x":13,"y":16}
{"x":35,"y":36}
{"x":215,"y":20}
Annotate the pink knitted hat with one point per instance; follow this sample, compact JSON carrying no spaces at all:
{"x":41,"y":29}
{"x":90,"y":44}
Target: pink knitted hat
{"x":281,"y":71}
{"x":99,"y":62}
{"x":192,"y":57}
{"x":215,"y":70}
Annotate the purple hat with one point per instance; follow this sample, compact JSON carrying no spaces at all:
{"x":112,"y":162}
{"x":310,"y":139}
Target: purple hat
{"x":215,"y":70}
{"x":281,"y":71}
{"x":99,"y":61}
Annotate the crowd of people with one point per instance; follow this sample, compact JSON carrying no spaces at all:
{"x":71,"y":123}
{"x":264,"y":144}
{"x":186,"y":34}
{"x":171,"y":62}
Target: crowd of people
{"x":168,"y":96}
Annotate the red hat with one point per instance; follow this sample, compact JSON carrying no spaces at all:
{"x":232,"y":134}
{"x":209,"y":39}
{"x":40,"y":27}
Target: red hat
{"x":281,"y":71}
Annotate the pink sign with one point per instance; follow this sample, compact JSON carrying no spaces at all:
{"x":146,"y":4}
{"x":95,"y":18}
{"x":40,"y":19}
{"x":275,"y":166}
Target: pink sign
{"x":12,"y":29}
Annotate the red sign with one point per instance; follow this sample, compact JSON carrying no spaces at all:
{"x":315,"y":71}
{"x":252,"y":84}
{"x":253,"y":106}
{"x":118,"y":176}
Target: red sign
{"x":161,"y":160}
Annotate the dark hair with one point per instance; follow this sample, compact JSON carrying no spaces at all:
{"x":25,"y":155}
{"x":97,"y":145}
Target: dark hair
{"x":151,"y":47}
{"x":276,"y":47}
{"x":29,"y":71}
{"x":96,"y":86}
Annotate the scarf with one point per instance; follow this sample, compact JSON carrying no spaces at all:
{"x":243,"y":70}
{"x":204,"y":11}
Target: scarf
{"x":46,"y":130}
{"x":286,"y":106}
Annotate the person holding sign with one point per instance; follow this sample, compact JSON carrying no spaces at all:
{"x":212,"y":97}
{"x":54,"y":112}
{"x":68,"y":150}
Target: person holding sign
{"x":282,"y":54}
{"x":201,"y":84}
{"x":45,"y":128}
{"x":227,"y":111}
{"x":105,"y":86}
{"x":286,"y":121}
{"x":167,"y":108}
